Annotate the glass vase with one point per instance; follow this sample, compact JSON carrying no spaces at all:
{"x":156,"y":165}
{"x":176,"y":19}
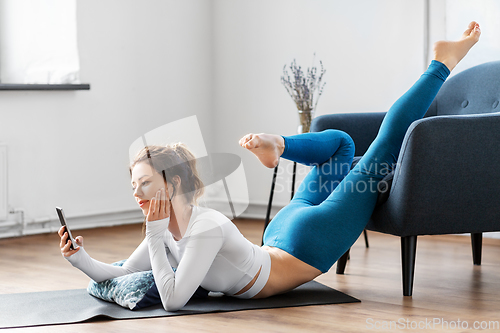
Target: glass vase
{"x":305,"y":119}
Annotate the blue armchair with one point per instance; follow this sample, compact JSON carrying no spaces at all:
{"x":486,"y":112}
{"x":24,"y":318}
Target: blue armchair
{"x":447,"y":179}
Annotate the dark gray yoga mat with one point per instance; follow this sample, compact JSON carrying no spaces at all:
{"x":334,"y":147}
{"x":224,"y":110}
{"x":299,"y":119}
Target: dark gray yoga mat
{"x":75,"y":306}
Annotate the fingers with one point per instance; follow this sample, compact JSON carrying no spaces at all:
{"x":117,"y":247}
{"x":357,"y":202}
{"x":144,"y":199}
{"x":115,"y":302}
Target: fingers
{"x":79,"y":240}
{"x":153,"y":209}
{"x":159,"y":207}
{"x":65,"y":245}
{"x":64,"y":238}
{"x":67,"y":252}
{"x":66,"y":248}
{"x":152,"y":204}
{"x":61,"y":231}
{"x":150,"y":217}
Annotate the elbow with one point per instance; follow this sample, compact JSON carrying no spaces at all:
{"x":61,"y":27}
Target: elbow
{"x":171,"y":307}
{"x":170,"y":304}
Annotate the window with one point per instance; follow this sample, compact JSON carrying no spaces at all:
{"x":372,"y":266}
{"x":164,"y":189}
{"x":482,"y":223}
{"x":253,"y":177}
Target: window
{"x":38,"y":42}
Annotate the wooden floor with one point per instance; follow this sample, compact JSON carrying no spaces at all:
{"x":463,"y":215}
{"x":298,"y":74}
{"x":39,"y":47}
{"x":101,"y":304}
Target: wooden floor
{"x":448,"y":287}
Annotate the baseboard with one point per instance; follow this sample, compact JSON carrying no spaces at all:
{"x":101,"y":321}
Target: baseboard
{"x":494,"y":234}
{"x":16,"y":227}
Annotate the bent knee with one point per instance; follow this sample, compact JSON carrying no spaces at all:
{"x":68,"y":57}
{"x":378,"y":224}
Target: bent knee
{"x":347,"y":146}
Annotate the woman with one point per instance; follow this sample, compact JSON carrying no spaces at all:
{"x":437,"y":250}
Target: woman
{"x":302,"y":241}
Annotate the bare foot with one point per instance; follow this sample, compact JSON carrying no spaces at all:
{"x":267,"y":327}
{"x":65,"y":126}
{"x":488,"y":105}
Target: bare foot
{"x":267,"y":147}
{"x":450,"y":53}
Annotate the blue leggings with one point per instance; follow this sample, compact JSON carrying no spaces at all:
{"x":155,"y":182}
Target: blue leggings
{"x":333,"y":205}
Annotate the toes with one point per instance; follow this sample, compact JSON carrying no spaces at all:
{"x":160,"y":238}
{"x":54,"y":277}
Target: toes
{"x":472,"y":29}
{"x":251,"y":142}
{"x":474,"y":35}
{"x":477,"y":30}
{"x":468,"y":30}
{"x":245,"y":139}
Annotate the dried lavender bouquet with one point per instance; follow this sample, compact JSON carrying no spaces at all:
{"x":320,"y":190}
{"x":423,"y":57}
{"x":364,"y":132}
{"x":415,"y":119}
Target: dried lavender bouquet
{"x":305,"y":90}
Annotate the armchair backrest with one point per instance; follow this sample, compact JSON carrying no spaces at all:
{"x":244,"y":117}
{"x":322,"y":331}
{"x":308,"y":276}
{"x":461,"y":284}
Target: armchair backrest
{"x":473,"y":91}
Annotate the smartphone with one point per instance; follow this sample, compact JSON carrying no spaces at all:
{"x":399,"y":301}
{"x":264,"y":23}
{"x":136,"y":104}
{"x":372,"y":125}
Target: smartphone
{"x":62,"y":219}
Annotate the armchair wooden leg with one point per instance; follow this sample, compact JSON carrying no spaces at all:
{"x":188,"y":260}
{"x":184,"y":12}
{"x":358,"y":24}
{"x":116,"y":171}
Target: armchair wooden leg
{"x":408,"y":254}
{"x":477,"y":243}
{"x":342,"y":262}
{"x":366,"y":239}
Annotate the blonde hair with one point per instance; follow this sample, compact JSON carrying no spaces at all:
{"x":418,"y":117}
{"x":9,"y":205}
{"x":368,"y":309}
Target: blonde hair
{"x":170,"y":161}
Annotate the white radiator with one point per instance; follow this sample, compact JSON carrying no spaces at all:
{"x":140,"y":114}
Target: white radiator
{"x":3,"y":182}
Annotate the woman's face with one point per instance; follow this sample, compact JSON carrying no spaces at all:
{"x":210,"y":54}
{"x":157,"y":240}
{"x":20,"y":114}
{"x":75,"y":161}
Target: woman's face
{"x":145,"y":183}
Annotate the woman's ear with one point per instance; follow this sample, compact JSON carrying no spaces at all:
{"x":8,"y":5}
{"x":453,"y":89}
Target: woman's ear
{"x":176,"y":180}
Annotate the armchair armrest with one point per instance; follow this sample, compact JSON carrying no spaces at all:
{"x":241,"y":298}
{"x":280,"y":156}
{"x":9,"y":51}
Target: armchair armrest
{"x":447,"y":178}
{"x":362,"y":127}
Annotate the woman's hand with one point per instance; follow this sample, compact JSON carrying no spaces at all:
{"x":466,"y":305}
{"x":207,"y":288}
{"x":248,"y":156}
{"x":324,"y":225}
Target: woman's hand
{"x":159,"y":207}
{"x":65,"y":250}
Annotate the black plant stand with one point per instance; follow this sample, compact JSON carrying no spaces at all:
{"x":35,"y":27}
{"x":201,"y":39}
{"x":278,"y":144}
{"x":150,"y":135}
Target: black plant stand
{"x":268,"y":213}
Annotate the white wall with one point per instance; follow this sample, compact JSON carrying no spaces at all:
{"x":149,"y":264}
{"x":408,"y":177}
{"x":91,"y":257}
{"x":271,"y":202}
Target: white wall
{"x":372,"y":51}
{"x":148,"y":63}
{"x":155,"y":61}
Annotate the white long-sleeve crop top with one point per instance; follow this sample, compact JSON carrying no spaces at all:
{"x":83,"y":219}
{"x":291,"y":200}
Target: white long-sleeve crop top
{"x":212,"y":254}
